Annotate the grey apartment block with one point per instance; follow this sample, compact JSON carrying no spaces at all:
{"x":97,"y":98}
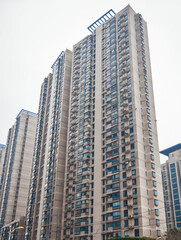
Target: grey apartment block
{"x":44,"y":211}
{"x":113,"y":183}
{"x":171,"y":179}
{"x":17,"y":167}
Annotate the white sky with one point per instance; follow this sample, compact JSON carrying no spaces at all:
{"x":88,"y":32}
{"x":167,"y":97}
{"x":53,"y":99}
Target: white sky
{"x":34,"y":32}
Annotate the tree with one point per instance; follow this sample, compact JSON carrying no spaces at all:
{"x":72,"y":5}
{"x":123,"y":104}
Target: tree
{"x":174,"y":234}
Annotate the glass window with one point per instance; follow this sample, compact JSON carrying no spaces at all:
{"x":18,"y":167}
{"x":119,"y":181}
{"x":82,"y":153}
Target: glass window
{"x":136,"y":232}
{"x":156,"y":202}
{"x":158,"y":233}
{"x":157,"y":212}
{"x":125,"y":223}
{"x":135,"y":202}
{"x":133,"y":172}
{"x":131,"y":130}
{"x":132,"y":146}
{"x":125,"y":213}
{"x":135,"y":211}
{"x":125,"y":203}
{"x":124,"y":174}
{"x":154,"y":174}
{"x":157,"y":222}
{"x":155,"y":193}
{"x":154,"y":183}
{"x":125,"y":193}
{"x":136,"y":222}
{"x":134,"y":191}
{"x":152,"y":165}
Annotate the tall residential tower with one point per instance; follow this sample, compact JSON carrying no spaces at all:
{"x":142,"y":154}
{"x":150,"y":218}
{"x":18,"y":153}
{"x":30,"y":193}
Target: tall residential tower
{"x":44,"y":212}
{"x":17,"y":167}
{"x":113,"y":181}
{"x":2,"y":155}
{"x":171,"y":179}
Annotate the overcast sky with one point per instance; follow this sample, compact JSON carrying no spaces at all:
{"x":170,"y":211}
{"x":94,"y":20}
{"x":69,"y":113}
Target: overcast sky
{"x":34,"y":32}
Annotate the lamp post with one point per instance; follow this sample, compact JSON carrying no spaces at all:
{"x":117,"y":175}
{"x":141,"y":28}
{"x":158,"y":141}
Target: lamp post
{"x":17,"y":228}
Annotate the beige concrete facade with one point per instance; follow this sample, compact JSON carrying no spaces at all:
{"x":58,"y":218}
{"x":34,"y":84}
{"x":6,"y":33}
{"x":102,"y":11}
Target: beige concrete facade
{"x":14,"y":230}
{"x":113,"y":177}
{"x":17,"y":167}
{"x":44,"y":215}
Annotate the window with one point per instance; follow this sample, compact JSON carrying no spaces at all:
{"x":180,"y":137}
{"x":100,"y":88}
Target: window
{"x":132,"y":146}
{"x":125,"y":203}
{"x":156,"y":202}
{"x":125,"y":213}
{"x":158,"y":233}
{"x":133,"y":164}
{"x":124,"y":184}
{"x":125,"y":223}
{"x":149,"y":118}
{"x":123,"y":149}
{"x":131,"y":130}
{"x":147,"y":104}
{"x":124,"y":174}
{"x":126,"y":234}
{"x":116,"y":214}
{"x":148,"y":110}
{"x":135,"y":211}
{"x":133,"y":172}
{"x":151,"y":149}
{"x":136,"y":232}
{"x":154,"y":183}
{"x":125,"y":193}
{"x":136,"y":222}
{"x":134,"y":181}
{"x":134,"y":191}
{"x":154,"y":174}
{"x":152,"y":165}
{"x":156,"y":212}
{"x":157,"y":222}
{"x":135,"y":202}
{"x":131,"y":122}
{"x":150,"y":132}
{"x":132,"y":138}
{"x":116,"y":204}
{"x":155,"y":193}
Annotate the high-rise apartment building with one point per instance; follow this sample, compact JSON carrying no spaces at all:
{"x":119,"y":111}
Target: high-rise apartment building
{"x":171,"y":179}
{"x":2,"y":155}
{"x":113,"y":183}
{"x":17,"y":167}
{"x":44,"y":212}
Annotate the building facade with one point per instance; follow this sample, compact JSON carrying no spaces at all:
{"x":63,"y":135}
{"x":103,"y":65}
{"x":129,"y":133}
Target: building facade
{"x":113,"y":183}
{"x":14,"y":230}
{"x":17,"y":167}
{"x":44,"y":212}
{"x":2,"y":155}
{"x":171,"y":179}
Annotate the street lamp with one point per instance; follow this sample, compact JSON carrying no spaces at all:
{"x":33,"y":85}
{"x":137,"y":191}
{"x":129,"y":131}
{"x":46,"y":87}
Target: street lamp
{"x":17,"y":228}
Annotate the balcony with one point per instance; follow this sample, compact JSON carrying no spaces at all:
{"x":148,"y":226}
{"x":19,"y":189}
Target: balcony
{"x":130,"y":196}
{"x":129,"y":186}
